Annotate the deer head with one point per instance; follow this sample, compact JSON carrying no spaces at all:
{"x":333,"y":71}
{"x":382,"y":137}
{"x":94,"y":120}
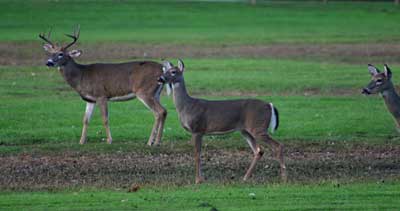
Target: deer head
{"x":59,"y":55}
{"x":172,"y":74}
{"x":379,"y":82}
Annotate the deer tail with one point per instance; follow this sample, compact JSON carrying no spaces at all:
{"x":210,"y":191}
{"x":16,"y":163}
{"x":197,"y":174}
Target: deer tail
{"x":274,"y":121}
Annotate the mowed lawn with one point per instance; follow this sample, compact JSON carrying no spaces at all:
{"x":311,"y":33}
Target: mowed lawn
{"x":197,"y":22}
{"x":317,"y":102}
{"x":325,"y":196}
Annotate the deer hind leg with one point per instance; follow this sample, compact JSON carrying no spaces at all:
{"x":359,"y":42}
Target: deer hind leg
{"x":257,"y":151}
{"x":397,"y":121}
{"x":160,"y":114}
{"x":104,"y":114}
{"x":277,"y":153}
{"x":86,"y":119}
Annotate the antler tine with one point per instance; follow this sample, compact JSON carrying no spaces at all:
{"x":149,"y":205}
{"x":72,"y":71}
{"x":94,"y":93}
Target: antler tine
{"x":49,"y":34}
{"x":47,"y":39}
{"x":75,"y":36}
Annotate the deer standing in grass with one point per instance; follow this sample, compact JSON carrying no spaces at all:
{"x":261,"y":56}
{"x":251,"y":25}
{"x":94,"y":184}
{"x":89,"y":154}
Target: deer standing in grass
{"x":101,"y":82}
{"x":382,"y":83}
{"x":203,"y":117}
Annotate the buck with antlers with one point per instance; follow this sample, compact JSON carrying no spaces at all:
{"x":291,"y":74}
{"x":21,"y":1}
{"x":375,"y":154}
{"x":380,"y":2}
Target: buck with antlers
{"x":102,"y":82}
{"x":201,"y":117}
{"x":382,"y":83}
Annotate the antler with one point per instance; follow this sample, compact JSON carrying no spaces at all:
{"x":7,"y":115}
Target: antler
{"x":47,"y":39}
{"x":75,"y":36}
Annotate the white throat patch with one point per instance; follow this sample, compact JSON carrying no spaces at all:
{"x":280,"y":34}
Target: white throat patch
{"x":385,"y":93}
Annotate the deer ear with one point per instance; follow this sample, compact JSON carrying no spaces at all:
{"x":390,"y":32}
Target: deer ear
{"x":372,"y":70}
{"x":181,"y":66}
{"x":387,"y":71}
{"x":75,"y":53}
{"x":166,"y":65}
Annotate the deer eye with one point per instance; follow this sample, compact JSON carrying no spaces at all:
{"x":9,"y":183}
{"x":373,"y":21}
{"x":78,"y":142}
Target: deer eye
{"x":60,"y":55}
{"x":379,"y":82}
{"x":173,"y":72}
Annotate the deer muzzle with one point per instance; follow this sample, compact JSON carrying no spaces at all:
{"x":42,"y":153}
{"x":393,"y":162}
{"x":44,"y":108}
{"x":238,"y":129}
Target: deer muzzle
{"x":366,"y":91}
{"x":50,"y":63}
{"x":161,"y":80}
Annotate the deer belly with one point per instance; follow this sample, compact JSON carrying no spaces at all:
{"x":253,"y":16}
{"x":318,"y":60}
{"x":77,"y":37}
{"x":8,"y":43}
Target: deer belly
{"x":221,"y":132}
{"x":123,"y":98}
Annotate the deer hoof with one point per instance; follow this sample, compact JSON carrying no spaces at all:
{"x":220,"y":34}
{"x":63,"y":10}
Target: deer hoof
{"x":284,"y":177}
{"x":199,"y":180}
{"x":151,"y":141}
{"x":157,"y":143}
{"x":109,"y":141}
{"x":82,"y":141}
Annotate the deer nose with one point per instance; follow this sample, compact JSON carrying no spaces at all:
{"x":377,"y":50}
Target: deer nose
{"x":365,"y":91}
{"x":161,"y":80}
{"x":50,"y":63}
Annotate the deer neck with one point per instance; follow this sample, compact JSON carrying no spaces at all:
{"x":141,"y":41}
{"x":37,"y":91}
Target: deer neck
{"x":181,"y":97}
{"x":72,"y":73}
{"x":392,"y":101}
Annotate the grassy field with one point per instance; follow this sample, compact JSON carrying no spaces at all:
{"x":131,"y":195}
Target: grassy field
{"x":202,"y":22}
{"x":308,"y":95}
{"x":342,"y":147}
{"x":326,"y":196}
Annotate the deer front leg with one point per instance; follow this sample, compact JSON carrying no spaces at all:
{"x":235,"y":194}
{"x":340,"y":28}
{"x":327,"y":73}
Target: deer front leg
{"x":86,"y":119}
{"x":197,"y":139}
{"x":104,"y":114}
{"x":257,"y":152}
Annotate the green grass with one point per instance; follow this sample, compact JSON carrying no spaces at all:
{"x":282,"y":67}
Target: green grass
{"x":326,"y":196}
{"x":40,"y":113}
{"x":213,"y":76}
{"x":201,"y":22}
{"x":40,"y":109}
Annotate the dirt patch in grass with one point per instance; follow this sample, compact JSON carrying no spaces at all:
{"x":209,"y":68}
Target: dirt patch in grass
{"x":305,"y":163}
{"x":33,"y":53}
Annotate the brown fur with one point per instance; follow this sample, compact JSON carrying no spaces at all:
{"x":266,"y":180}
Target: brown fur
{"x":381,"y":82}
{"x":99,"y":83}
{"x":203,"y":117}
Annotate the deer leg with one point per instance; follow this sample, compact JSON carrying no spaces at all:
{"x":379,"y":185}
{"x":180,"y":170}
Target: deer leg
{"x":86,"y":120}
{"x":160,"y":114}
{"x":397,"y":121}
{"x":197,"y":139}
{"x":277,"y":153}
{"x":257,"y":151}
{"x":104,"y":114}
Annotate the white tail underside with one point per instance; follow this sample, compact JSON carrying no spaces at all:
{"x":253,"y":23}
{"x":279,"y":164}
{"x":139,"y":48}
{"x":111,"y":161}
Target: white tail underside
{"x":272,"y":123}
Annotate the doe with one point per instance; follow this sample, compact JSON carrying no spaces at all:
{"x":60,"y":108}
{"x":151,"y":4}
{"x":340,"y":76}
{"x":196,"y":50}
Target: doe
{"x":381,"y":82}
{"x":200,"y":117}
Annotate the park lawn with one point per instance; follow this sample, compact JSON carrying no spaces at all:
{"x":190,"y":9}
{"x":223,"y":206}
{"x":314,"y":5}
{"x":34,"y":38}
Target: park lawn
{"x":324,"y":196}
{"x":38,"y":108}
{"x":199,"y":23}
{"x":221,"y":77}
